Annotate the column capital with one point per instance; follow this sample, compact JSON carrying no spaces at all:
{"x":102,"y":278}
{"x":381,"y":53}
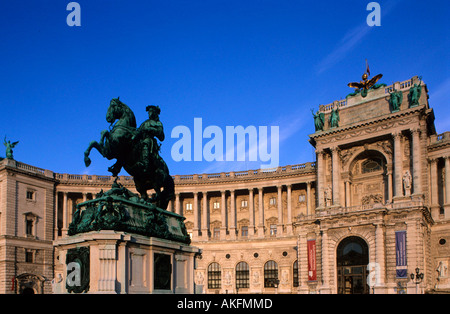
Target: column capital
{"x":335,"y":149}
{"x":416,"y":130}
{"x":320,"y":152}
{"x":397,"y":135}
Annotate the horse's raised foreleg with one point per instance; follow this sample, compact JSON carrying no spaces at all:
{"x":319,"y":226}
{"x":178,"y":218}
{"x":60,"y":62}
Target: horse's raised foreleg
{"x":93,"y":144}
{"x":97,"y":145}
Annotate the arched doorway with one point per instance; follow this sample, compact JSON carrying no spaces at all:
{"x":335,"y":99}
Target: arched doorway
{"x":352,"y":259}
{"x":29,"y":284}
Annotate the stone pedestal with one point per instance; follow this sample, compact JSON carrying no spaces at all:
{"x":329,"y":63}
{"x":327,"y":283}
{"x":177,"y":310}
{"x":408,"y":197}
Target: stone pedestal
{"x":116,"y":262}
{"x":118,"y":243}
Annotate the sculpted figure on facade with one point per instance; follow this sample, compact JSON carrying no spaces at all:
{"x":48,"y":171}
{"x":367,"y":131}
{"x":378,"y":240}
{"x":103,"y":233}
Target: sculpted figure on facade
{"x":407,"y":183}
{"x":442,"y":269}
{"x":328,"y":196}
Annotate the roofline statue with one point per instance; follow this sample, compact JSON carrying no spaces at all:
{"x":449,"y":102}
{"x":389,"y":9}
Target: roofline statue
{"x":9,"y":146}
{"x":366,"y":84}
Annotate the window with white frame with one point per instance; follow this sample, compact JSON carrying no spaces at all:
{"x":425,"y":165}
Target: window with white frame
{"x":273,"y":201}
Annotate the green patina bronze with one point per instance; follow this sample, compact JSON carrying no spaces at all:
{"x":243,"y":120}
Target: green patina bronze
{"x":9,"y":146}
{"x":414,"y":94}
{"x":334,"y":118}
{"x":136,"y":150}
{"x":395,"y":100}
{"x":319,"y":120}
{"x":119,"y":209}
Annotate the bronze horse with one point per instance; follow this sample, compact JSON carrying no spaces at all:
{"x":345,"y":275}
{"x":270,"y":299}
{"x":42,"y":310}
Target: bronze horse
{"x":123,"y":144}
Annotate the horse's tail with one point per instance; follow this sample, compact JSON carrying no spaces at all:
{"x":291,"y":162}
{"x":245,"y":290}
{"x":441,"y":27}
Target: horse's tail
{"x":168,"y":193}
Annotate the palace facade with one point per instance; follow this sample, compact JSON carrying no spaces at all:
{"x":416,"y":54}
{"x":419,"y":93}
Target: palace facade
{"x":371,"y":210}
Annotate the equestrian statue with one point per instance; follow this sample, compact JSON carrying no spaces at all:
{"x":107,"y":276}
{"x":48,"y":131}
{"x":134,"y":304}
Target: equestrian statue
{"x":136,"y":150}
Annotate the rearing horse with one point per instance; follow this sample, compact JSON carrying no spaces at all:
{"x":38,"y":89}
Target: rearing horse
{"x":121,"y":143}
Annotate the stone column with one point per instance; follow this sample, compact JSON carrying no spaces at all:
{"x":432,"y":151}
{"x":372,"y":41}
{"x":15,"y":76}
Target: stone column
{"x":260,"y":213}
{"x":205,"y":227}
{"x":335,"y":175}
{"x":280,"y":211}
{"x":447,"y":181}
{"x":434,"y":190}
{"x":347,"y":194}
{"x":84,"y":197}
{"x":379,"y":254}
{"x":320,"y":166}
{"x":223,"y":214}
{"x":389,"y":182}
{"x":417,"y":162}
{"x":195,"y":230}
{"x":65,"y":214}
{"x":232,"y":215}
{"x":398,"y":164}
{"x":177,"y":204}
{"x":325,"y":262}
{"x":251,"y":213}
{"x":289,"y":210}
{"x":308,"y":198}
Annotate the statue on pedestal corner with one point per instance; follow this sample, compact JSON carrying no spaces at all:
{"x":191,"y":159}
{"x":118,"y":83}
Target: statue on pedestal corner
{"x":395,"y":100}
{"x":414,"y":94}
{"x":334,"y":118}
{"x":319,"y":120}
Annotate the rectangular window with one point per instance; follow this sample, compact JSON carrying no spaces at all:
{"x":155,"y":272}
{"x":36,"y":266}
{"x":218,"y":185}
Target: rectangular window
{"x":29,"y":227}
{"x":244,"y":231}
{"x":188,"y":207}
{"x":216,"y":205}
{"x":29,"y":256}
{"x":273,"y":201}
{"x":302,"y":198}
{"x":216,"y":233}
{"x":273,"y":230}
{"x":244,"y":203}
{"x":30,"y":195}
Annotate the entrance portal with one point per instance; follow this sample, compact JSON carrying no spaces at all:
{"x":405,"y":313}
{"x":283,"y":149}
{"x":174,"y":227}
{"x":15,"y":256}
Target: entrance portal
{"x":352,"y":260}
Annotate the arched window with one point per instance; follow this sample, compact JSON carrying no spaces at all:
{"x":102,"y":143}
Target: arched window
{"x":295,"y":274}
{"x":270,"y":274}
{"x":242,"y":275}
{"x":214,"y":276}
{"x":371,"y":165}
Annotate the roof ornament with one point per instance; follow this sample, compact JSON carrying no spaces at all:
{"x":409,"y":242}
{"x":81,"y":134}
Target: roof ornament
{"x":366,"y":84}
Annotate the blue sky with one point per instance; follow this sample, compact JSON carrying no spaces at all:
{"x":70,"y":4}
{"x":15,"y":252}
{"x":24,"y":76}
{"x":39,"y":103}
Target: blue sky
{"x":260,"y":63}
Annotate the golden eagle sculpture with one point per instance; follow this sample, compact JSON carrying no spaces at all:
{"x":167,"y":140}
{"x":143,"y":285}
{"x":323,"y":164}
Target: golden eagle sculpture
{"x":365,"y":84}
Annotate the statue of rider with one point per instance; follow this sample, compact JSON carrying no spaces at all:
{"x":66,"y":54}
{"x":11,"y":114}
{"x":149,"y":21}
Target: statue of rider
{"x":147,"y":133}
